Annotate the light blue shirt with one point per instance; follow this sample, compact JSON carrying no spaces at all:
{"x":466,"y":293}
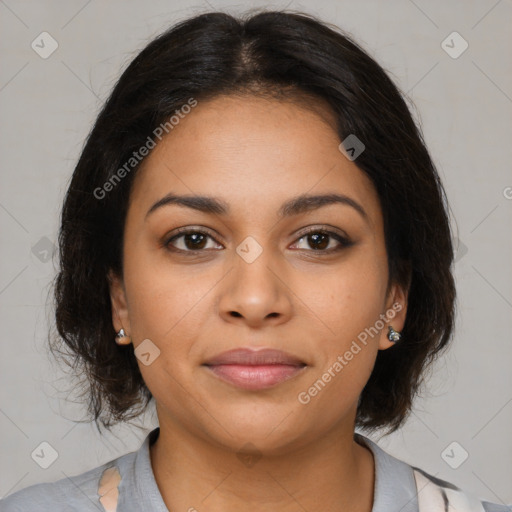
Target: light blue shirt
{"x":396,"y":488}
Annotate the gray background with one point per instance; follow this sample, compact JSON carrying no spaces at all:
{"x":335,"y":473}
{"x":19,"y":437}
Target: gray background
{"x":464,"y":106}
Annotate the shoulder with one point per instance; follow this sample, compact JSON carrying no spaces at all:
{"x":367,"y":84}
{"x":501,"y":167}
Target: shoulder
{"x":416,"y":490}
{"x":437,"y":494}
{"x":69,"y":494}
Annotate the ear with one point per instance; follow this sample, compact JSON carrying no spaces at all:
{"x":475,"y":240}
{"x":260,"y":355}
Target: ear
{"x":120,"y":317}
{"x":395,"y":314}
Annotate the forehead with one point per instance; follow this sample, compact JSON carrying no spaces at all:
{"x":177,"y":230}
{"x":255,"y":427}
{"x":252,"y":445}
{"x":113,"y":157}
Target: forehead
{"x":253,"y":152}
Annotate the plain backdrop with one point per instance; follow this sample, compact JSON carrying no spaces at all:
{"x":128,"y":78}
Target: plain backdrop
{"x":464,"y":105}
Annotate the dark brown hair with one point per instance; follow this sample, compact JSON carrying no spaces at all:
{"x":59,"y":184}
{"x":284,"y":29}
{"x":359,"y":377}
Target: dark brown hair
{"x":265,"y":53}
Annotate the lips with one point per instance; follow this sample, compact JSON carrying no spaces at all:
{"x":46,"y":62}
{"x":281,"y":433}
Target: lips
{"x":254,"y":370}
{"x":245,"y":356}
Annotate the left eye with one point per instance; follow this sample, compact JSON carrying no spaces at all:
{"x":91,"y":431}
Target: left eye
{"x":320,"y":240}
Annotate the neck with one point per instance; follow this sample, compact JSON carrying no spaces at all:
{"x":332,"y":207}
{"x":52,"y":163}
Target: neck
{"x":332,"y":474}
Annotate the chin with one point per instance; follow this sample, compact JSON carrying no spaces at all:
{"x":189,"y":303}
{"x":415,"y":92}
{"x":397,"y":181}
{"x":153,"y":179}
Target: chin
{"x":271,"y":431}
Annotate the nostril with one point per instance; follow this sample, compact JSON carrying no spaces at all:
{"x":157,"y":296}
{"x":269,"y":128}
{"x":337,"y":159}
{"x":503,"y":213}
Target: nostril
{"x":235,"y":313}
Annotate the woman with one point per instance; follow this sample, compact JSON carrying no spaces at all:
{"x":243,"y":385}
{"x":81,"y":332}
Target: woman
{"x":256,"y":237}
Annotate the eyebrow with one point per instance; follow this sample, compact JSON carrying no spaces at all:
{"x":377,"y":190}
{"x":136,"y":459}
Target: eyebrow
{"x":297,"y":205}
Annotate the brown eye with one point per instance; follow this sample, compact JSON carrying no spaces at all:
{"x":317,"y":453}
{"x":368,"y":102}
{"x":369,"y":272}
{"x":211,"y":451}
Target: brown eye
{"x":318,"y":241}
{"x":323,"y":241}
{"x":191,"y":240}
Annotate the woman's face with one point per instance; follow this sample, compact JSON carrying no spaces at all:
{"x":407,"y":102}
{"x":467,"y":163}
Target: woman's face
{"x":250,"y":276}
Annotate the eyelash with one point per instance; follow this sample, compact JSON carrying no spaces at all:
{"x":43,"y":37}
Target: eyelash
{"x":344,"y":241}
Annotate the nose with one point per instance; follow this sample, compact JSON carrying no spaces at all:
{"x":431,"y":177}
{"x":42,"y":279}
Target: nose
{"x":256,"y":293}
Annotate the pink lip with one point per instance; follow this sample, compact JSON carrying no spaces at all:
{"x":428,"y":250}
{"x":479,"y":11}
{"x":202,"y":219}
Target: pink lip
{"x":254,"y":370}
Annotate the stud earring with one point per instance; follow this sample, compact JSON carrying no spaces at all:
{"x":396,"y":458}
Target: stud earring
{"x":122,"y":338}
{"x":393,"y":335}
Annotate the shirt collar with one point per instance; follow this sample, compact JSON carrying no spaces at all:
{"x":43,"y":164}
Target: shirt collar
{"x":394,"y":489}
{"x":147,"y":490}
{"x":395,"y":485}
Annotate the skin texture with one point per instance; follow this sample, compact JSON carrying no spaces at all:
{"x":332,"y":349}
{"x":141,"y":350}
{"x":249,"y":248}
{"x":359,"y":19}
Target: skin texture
{"x":222,"y":448}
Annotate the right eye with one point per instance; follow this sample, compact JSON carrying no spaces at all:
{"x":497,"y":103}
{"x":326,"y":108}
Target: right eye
{"x":190,"y":240}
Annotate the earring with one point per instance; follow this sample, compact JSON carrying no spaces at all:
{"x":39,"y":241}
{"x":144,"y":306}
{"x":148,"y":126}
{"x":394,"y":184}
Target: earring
{"x":393,"y":335}
{"x":122,"y":338}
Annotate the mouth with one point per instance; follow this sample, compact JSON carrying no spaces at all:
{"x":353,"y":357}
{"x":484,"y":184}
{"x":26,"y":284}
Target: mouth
{"x":255,"y":370}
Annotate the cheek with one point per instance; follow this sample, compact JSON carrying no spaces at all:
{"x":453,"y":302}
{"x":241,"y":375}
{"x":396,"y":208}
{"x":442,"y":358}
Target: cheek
{"x":348,"y":299}
{"x":353,"y":298}
{"x":163,"y":296}
{"x":334,"y":390}
{"x":350,"y":302}
{"x":168,"y":305}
